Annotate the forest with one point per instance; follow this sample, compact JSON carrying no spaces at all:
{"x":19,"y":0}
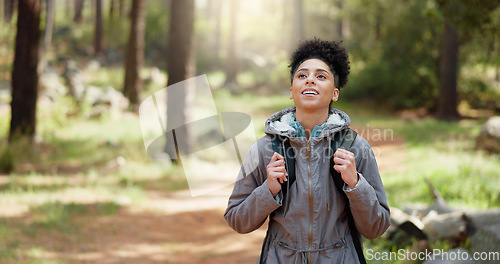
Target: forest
{"x":81,"y":180}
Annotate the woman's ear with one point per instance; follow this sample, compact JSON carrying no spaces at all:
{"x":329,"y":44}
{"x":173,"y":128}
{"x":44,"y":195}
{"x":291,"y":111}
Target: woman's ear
{"x":335,"y":95}
{"x":291,"y":95}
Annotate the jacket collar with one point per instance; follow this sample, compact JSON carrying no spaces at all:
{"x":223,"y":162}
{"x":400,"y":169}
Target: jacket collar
{"x":279,"y":123}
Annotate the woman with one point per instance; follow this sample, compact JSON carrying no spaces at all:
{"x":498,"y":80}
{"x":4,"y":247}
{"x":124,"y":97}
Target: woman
{"x":314,"y":227}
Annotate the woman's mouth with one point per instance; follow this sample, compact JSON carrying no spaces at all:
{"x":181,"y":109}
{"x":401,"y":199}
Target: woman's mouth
{"x":310,"y":92}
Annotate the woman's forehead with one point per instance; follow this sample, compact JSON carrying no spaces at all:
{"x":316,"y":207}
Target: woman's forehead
{"x":314,"y":64}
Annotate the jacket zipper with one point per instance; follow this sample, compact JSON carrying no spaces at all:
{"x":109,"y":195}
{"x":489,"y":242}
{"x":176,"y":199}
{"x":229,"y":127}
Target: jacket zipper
{"x":310,"y":203}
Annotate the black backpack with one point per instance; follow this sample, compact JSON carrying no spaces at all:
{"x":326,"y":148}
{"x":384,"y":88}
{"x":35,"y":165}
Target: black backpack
{"x":342,"y":139}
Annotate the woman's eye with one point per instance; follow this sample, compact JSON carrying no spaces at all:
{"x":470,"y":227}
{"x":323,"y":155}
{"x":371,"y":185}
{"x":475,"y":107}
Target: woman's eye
{"x":302,"y":76}
{"x":321,"y":77}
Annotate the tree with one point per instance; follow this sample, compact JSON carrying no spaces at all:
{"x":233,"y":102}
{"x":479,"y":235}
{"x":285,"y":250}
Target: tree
{"x":460,"y":17}
{"x":180,"y":66}
{"x":448,"y":72}
{"x":98,"y":35}
{"x":78,"y":11}
{"x":232,"y":60}
{"x":24,"y":73}
{"x":134,"y":56}
{"x":121,"y":7}
{"x":8,"y":10}
{"x":49,"y":24}
{"x":298,"y":33}
{"x":112,"y":8}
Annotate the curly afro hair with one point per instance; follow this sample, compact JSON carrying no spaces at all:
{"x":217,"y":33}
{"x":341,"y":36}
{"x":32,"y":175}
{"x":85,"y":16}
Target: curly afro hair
{"x":330,"y":52}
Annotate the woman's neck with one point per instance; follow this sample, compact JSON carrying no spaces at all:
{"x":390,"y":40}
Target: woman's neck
{"x":309,"y":120}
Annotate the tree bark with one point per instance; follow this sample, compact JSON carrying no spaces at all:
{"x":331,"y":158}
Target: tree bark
{"x":448,"y":73}
{"x":78,"y":11}
{"x":24,"y":73}
{"x":98,"y":35}
{"x":49,"y":25}
{"x":121,"y":7}
{"x":180,"y":66}
{"x":339,"y":23}
{"x":231,"y":60}
{"x":218,"y":17}
{"x":112,"y":8}
{"x":135,"y":53}
{"x":298,"y":23}
{"x":8,"y":10}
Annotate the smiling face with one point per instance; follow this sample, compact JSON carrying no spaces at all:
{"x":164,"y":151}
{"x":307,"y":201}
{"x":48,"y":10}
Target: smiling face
{"x":313,"y":86}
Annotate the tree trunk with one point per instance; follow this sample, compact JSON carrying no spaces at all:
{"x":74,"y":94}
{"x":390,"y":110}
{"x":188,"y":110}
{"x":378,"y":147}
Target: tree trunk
{"x":298,"y":23}
{"x":112,"y":8}
{"x":340,"y":25}
{"x":180,"y":66}
{"x":218,"y":17}
{"x":231,"y":60}
{"x":448,"y":71}
{"x":69,"y":5}
{"x":378,"y":20}
{"x":98,"y":36}
{"x":8,"y":10}
{"x":24,"y":73}
{"x":135,"y":52}
{"x":121,"y":7}
{"x":49,"y":25}
{"x":78,"y":11}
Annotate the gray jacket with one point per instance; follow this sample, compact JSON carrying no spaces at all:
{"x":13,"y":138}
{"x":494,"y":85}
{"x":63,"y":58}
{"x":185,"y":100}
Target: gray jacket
{"x":314,"y":229}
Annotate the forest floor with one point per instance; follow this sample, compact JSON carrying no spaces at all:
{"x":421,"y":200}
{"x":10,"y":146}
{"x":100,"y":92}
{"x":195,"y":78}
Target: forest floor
{"x":91,"y":194}
{"x":168,"y":227}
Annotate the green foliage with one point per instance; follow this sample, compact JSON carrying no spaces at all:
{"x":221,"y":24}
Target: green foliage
{"x":478,"y":94}
{"x":468,"y":16}
{"x":6,"y":161}
{"x":403,"y":74}
{"x":157,"y":25}
{"x":395,"y":47}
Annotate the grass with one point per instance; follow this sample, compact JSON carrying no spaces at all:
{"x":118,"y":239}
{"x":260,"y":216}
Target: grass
{"x":444,"y":153}
{"x":84,"y":168}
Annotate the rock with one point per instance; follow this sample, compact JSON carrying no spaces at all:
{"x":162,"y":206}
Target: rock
{"x":106,"y":100}
{"x":52,"y":87}
{"x":93,"y":65}
{"x":74,"y":79}
{"x":489,"y":137}
{"x":109,"y":96}
{"x":486,"y":241}
{"x":155,"y":76}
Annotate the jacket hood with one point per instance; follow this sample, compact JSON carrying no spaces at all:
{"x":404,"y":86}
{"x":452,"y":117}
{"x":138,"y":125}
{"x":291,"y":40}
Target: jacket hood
{"x":279,"y":123}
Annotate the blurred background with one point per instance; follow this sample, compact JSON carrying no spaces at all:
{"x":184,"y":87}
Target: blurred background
{"x":76,"y":183}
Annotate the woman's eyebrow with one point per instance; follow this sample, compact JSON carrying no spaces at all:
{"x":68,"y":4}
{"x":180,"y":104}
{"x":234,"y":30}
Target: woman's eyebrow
{"x":322,"y":70}
{"x":318,"y":69}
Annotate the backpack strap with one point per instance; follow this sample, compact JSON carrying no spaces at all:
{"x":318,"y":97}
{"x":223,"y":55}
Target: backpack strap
{"x":344,"y":139}
{"x":284,"y":148}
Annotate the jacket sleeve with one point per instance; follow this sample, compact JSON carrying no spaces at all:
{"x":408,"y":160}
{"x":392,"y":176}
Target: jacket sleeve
{"x":251,"y":201}
{"x":367,"y":200}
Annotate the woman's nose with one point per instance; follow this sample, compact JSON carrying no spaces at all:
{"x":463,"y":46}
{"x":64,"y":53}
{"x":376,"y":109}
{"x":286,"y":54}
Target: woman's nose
{"x":310,"y":79}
